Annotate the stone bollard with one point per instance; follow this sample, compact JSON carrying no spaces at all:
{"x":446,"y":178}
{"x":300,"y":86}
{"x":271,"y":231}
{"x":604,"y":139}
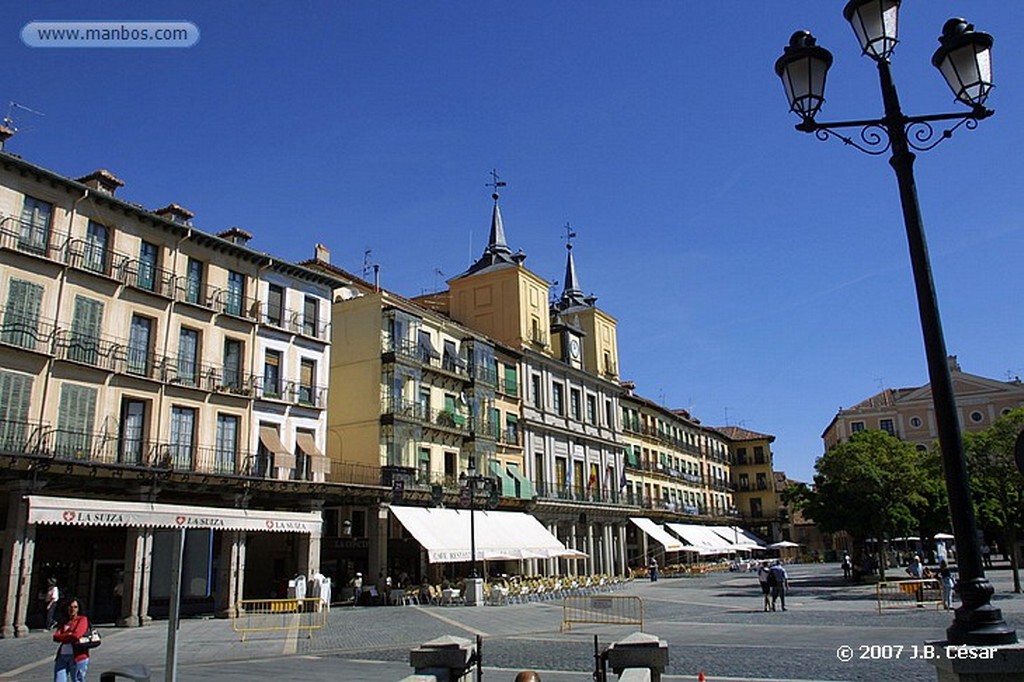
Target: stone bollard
{"x":445,"y":659}
{"x":962,"y":663}
{"x":638,"y":651}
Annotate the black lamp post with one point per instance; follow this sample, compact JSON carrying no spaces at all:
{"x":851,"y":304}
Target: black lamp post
{"x":471,"y":482}
{"x":964,"y":60}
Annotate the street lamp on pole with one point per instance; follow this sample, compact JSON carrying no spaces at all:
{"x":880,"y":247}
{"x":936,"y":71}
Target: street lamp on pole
{"x":472,"y":482}
{"x":964,"y":59}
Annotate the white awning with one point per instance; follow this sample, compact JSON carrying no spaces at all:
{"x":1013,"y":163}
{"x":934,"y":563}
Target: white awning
{"x":658,"y":534}
{"x":703,"y":538}
{"x":738,"y":537}
{"x":73,"y":511}
{"x":444,"y":533}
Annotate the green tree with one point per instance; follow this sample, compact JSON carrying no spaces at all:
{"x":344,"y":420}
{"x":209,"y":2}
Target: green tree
{"x":869,"y":486}
{"x":996,"y":485}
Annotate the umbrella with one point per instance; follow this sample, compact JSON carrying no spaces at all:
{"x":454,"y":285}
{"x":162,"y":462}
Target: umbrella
{"x":783,"y":544}
{"x":943,"y":536}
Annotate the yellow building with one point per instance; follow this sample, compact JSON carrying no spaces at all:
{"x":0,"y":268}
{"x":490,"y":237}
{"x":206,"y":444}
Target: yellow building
{"x":751,"y":474}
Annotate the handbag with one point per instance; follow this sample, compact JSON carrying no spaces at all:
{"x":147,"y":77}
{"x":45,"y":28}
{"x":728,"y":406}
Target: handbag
{"x":91,"y":639}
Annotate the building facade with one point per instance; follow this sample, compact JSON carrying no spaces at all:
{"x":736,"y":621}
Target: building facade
{"x":757,"y":499}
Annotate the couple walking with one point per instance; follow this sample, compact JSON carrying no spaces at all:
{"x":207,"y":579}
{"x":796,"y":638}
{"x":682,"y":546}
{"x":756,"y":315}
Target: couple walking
{"x":774,"y":584}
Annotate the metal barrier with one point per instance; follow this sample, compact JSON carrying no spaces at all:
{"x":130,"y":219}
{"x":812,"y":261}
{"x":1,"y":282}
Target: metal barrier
{"x":602,"y":610}
{"x":279,"y":615}
{"x":904,"y":593}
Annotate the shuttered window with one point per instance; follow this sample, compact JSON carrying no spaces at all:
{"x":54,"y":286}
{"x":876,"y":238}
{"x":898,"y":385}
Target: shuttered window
{"x":35,"y":225}
{"x":139,"y":345}
{"x":15,"y":394}
{"x":183,"y":424}
{"x":75,"y":421}
{"x":94,"y":256}
{"x":188,"y":357}
{"x":84,"y":343}
{"x":227,"y":443}
{"x":233,"y":364}
{"x":21,"y":314}
{"x":307,"y":370}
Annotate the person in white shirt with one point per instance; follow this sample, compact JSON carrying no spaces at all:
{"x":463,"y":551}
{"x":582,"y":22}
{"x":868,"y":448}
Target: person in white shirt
{"x":52,"y":599}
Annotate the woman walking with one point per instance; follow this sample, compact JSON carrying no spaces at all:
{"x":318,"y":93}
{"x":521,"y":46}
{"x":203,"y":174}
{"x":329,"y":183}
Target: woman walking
{"x":946,"y":579}
{"x":72,"y":661}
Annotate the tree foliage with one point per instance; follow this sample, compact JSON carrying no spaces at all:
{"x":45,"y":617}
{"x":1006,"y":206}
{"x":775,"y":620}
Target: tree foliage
{"x":872,"y":486}
{"x":996,"y":484}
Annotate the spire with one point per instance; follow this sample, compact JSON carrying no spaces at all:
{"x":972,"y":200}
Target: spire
{"x":572,"y":294}
{"x":497,"y":253}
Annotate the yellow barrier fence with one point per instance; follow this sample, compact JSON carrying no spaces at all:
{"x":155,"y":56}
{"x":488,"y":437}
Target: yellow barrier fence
{"x":908,"y":593}
{"x":602,"y":610}
{"x":279,"y":615}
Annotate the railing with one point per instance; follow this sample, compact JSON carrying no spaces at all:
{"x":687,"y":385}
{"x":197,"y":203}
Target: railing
{"x":232,"y":303}
{"x":508,"y":388}
{"x":425,"y":357}
{"x":292,"y":392}
{"x":145,"y":276}
{"x":34,"y":334}
{"x":576,"y":493}
{"x":87,"y":349}
{"x":30,"y":238}
{"x":92,"y":257}
{"x":484,"y":374}
{"x":661,"y":437}
{"x":293,"y":322}
{"x":193,"y":292}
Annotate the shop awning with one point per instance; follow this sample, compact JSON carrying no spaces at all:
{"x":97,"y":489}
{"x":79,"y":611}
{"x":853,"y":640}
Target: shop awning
{"x":444,"y":534}
{"x":658,"y":534}
{"x":308,"y":444}
{"x":72,"y":511}
{"x":739,"y":537}
{"x":703,"y":538}
{"x":272,"y":442}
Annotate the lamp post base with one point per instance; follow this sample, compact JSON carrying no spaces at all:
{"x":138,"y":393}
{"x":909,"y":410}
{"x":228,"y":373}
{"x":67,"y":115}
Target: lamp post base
{"x":977,"y":622}
{"x":964,"y":663}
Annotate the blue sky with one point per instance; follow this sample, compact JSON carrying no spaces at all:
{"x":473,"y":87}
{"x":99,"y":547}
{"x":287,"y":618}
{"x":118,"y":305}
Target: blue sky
{"x":760,"y":277}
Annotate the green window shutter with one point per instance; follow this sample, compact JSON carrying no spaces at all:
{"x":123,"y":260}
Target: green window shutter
{"x":510,"y":380}
{"x":21,"y":315}
{"x":15,"y":394}
{"x":77,"y":416}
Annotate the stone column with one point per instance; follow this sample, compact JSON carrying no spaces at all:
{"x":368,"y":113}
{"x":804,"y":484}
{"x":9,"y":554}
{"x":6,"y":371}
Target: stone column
{"x":18,"y":554}
{"x":230,"y":573}
{"x":551,"y":565}
{"x":574,"y":563}
{"x":591,"y":553}
{"x":609,"y":565}
{"x":377,"y":535}
{"x":623,"y":554}
{"x":138,"y":569}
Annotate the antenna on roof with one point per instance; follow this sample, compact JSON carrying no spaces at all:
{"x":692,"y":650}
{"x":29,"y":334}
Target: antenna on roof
{"x":9,"y":118}
{"x":437,"y":273}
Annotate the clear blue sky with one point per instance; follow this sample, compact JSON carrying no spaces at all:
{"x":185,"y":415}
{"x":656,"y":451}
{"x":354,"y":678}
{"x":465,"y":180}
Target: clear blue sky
{"x":760,"y":277}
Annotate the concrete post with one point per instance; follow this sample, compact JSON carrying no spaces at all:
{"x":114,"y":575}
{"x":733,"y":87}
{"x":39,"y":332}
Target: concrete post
{"x":609,"y":565}
{"x":591,"y":553}
{"x":377,"y":535}
{"x":623,"y":558}
{"x":231,"y":573}
{"x":639,"y":650}
{"x":573,"y":565}
{"x":449,"y":659}
{"x":962,"y":663}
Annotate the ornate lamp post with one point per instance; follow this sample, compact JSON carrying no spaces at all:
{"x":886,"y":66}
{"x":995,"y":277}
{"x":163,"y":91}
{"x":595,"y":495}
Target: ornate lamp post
{"x":964,"y":59}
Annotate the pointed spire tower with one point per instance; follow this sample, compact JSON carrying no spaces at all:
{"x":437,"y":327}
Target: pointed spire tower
{"x":497,"y":295}
{"x":572,"y":294}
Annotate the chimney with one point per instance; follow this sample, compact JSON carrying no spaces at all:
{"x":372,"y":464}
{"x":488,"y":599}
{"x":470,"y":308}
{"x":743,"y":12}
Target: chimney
{"x":5,"y":134}
{"x":236,"y":235}
{"x":954,"y":366}
{"x":322,"y":253}
{"x":176,"y":214}
{"x":102,"y":181}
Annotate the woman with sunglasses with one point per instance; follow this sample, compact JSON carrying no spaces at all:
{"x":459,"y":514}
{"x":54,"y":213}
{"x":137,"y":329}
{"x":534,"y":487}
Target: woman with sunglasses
{"x":72,"y":661}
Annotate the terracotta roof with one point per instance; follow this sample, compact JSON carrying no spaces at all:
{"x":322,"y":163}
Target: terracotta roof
{"x":737,"y":433}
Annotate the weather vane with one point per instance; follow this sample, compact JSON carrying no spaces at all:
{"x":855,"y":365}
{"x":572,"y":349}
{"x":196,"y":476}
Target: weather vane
{"x":570,"y":234}
{"x":495,"y":183}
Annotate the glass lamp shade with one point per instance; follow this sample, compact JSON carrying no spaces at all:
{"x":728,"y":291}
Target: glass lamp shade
{"x":875,"y":23}
{"x":965,"y":60}
{"x":802,"y":68}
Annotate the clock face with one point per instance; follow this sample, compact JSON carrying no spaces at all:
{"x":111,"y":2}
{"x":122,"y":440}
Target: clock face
{"x":574,"y":348}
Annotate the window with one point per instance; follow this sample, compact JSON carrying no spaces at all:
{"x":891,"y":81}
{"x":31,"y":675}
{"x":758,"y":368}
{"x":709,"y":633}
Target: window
{"x":451,"y":460}
{"x":15,"y":394}
{"x":188,"y":356}
{"x":741,"y":455}
{"x":182,"y":442}
{"x":307,"y":381}
{"x":557,"y":397}
{"x":744,"y":482}
{"x":138,"y":345}
{"x":887,"y":426}
{"x":21,"y":314}
{"x":232,"y":378}
{"x":236,"y":293}
{"x":494,"y":427}
{"x":35,"y":225}
{"x":310,"y":317}
{"x":303,"y":460}
{"x":856,"y":427}
{"x":538,"y":400}
{"x":915,"y":422}
{"x":77,"y":414}
{"x":977,"y":417}
{"x":226,"y":447}
{"x":423,"y":465}
{"x":451,"y":360}
{"x":275,"y":305}
{"x":758,"y":454}
{"x":94,"y":255}
{"x":755,"y":507}
{"x":591,"y":409}
{"x":762,"y":482}
{"x":609,"y":414}
{"x":511,"y":429}
{"x":272,"y":374}
{"x":133,"y":432}
{"x":574,"y":403}
{"x":424,"y":403}
{"x":146,"y":276}
{"x":84,"y":341}
{"x":194,"y":282}
{"x":511,"y":381}
{"x":425,"y":347}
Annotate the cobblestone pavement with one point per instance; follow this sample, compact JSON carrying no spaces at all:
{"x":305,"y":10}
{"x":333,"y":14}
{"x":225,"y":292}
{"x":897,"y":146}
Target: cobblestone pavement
{"x":713,"y":624}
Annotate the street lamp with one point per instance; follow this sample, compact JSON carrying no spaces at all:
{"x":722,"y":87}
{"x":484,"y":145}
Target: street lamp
{"x":964,"y":60}
{"x":472,"y":482}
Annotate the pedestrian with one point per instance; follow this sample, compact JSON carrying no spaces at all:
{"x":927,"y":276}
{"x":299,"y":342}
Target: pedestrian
{"x":847,"y":566}
{"x":52,"y":599}
{"x":946,"y":580}
{"x":763,"y":573}
{"x":653,"y":569}
{"x":72,"y":661}
{"x":915,"y":569}
{"x":779,"y":581}
{"x":986,"y":555}
{"x":527,"y":676}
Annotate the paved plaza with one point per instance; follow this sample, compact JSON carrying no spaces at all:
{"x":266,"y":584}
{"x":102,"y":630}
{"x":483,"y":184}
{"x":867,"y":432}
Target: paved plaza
{"x":712,"y":624}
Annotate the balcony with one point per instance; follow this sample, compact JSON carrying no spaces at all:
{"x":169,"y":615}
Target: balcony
{"x":92,"y":257}
{"x":97,"y":351}
{"x":144,"y":276}
{"x":293,"y":392}
{"x":32,"y":239}
{"x":508,"y":388}
{"x":27,"y":333}
{"x":575,"y":493}
{"x":233,"y":303}
{"x":426,"y":358}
